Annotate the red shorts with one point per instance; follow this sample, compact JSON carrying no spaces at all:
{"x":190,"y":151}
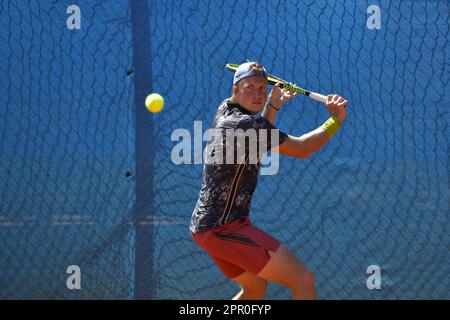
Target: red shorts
{"x":237,"y":247}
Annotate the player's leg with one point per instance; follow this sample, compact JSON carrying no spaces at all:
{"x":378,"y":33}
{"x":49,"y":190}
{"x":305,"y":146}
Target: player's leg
{"x":267,"y":258}
{"x":241,"y":249}
{"x":252,"y":287}
{"x":286,"y":269}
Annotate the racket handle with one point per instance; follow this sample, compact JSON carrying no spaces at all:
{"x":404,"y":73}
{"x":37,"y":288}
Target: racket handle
{"x":318,"y":97}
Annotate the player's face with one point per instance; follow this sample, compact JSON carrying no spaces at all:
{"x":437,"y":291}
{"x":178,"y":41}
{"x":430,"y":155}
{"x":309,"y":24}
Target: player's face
{"x":251,"y":93}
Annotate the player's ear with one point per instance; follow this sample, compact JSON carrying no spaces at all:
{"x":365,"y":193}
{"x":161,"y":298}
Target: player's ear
{"x":235,"y":89}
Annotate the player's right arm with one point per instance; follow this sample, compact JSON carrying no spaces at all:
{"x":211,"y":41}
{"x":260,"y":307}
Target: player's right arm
{"x":307,"y":144}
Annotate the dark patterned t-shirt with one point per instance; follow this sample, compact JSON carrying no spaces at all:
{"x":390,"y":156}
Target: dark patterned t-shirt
{"x":232,"y":164}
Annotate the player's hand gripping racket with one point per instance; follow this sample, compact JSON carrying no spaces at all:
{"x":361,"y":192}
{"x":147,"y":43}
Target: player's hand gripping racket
{"x":286,"y":85}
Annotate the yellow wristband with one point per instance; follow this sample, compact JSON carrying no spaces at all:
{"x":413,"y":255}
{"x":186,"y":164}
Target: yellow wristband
{"x":332,"y":125}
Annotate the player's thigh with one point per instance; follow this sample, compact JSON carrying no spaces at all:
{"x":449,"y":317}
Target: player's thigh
{"x":285,"y":268}
{"x":251,"y":282}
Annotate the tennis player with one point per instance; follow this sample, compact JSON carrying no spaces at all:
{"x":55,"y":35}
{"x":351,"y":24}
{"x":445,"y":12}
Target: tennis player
{"x":220,"y":222}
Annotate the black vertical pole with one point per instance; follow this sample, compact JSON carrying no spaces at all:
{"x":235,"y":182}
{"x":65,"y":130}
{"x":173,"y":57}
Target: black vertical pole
{"x":143,"y":208}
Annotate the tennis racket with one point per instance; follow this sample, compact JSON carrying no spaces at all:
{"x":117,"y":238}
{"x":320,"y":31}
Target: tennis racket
{"x":285,"y":85}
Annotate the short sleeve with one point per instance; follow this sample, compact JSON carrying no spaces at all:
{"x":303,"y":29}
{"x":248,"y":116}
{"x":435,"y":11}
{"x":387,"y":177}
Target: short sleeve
{"x":267,"y":134}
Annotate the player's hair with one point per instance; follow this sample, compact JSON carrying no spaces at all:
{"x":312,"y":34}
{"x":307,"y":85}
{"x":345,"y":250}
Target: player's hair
{"x":257,"y":67}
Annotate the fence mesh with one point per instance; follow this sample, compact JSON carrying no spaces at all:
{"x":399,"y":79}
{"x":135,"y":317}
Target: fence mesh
{"x":67,"y":141}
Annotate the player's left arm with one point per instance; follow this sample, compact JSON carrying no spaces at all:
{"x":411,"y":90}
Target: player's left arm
{"x":275,"y":100}
{"x":307,"y":144}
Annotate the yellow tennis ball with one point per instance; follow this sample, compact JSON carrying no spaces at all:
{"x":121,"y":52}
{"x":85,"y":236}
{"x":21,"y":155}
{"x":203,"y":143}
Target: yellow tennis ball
{"x":154,"y":102}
